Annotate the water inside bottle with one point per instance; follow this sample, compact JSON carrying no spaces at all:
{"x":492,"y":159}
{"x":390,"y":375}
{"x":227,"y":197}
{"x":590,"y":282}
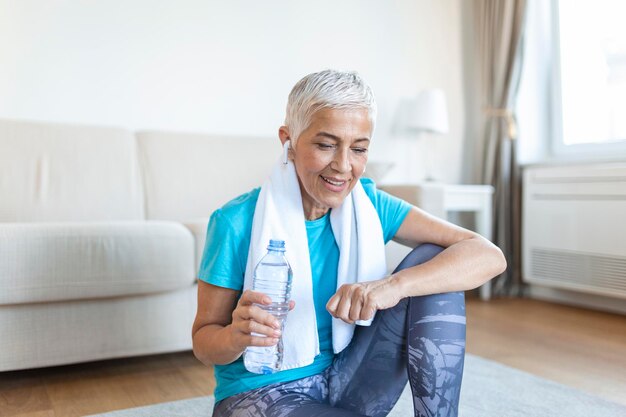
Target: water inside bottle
{"x":272,"y":276}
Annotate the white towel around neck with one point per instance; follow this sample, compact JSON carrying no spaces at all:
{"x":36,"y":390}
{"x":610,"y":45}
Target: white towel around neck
{"x":279,"y":215}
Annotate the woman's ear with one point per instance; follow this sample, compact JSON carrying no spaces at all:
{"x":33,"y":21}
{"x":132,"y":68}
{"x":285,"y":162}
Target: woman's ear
{"x":283,"y":134}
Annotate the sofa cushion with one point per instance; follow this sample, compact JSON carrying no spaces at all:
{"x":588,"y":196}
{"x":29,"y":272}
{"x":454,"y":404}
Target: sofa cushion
{"x":55,"y":172}
{"x":188,"y":176}
{"x":70,"y":261}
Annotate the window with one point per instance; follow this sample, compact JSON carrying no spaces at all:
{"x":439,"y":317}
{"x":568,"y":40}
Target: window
{"x":592,"y":51}
{"x":572,"y":97}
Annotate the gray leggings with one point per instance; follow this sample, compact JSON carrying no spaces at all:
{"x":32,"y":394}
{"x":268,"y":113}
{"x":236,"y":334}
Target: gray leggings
{"x":422,"y":340}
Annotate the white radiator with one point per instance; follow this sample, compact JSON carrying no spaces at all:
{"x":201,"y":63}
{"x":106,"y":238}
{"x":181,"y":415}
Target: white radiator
{"x":574,"y":227}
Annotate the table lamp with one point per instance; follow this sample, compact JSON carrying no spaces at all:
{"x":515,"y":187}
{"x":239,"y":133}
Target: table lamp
{"x":429,"y":116}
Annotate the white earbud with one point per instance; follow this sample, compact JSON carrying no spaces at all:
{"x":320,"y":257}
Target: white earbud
{"x":286,"y":146}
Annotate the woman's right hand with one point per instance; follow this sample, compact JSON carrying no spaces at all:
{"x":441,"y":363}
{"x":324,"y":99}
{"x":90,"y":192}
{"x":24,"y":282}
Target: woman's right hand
{"x":248,"y":318}
{"x":225,"y":321}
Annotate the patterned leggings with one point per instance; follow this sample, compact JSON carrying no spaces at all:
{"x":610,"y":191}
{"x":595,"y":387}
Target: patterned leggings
{"x":422,"y":340}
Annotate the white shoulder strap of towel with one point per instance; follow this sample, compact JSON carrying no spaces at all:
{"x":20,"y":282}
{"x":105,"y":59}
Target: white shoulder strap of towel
{"x":279,"y":215}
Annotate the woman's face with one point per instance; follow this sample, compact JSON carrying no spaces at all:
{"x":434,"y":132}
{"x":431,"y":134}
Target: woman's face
{"x":330,"y":157}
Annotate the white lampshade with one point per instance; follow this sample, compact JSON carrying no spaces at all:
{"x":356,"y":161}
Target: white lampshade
{"x":430,"y":113}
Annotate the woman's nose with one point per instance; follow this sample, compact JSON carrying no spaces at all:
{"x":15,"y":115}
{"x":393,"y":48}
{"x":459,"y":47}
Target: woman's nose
{"x":342,"y":161}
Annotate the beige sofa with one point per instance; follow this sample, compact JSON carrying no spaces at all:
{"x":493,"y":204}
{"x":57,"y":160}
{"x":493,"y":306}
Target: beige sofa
{"x":101,"y":233}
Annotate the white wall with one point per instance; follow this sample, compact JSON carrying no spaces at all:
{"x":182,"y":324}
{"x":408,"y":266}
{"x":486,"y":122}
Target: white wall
{"x":227,"y":66}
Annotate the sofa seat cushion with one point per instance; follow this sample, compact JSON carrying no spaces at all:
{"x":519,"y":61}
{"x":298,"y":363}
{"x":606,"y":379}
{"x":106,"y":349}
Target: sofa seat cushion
{"x":72,"y":261}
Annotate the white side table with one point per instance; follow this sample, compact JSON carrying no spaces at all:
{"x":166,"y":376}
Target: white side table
{"x":441,"y":199}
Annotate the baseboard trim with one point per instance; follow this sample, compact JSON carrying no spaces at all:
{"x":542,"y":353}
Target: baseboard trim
{"x":592,"y":301}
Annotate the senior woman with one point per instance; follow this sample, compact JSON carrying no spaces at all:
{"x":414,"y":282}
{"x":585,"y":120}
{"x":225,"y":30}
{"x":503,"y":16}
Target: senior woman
{"x":335,"y":224}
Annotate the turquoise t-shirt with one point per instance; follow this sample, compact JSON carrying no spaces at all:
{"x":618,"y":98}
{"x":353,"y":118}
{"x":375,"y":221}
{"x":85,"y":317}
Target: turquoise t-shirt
{"x":224,"y":264}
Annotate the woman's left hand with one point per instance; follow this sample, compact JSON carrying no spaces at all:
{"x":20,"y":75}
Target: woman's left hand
{"x":360,"y":301}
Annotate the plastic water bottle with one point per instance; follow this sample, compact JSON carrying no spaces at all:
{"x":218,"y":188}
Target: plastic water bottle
{"x":272,"y":277}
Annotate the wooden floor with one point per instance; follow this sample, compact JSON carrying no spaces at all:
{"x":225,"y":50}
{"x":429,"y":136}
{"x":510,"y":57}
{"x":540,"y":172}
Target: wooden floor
{"x":580,"y":348}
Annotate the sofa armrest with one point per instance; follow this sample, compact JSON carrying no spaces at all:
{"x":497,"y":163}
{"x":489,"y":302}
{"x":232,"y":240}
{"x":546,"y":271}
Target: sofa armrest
{"x":198,"y":228}
{"x":67,"y":261}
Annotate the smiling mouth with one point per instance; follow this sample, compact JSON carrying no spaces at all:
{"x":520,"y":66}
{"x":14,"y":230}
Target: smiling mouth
{"x":336,"y":183}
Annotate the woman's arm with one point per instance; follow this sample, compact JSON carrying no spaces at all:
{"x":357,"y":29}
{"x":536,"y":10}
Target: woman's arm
{"x":223,"y":326}
{"x":468,"y":261}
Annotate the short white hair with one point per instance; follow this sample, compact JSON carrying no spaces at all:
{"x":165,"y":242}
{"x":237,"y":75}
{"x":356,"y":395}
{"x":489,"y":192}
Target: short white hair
{"x":328,"y":89}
